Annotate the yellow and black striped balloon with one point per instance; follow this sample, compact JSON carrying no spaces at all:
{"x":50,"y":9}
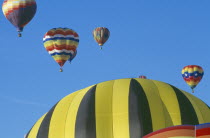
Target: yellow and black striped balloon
{"x":124,"y":108}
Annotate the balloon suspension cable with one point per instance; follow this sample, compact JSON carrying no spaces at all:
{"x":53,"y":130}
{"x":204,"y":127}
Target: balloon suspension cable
{"x":19,"y":34}
{"x":192,"y":90}
{"x":61,"y":70}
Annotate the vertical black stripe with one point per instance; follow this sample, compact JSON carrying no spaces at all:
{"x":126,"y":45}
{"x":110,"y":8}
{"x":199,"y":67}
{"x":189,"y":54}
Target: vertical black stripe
{"x":44,"y":127}
{"x":140,"y":121}
{"x":188,"y":114}
{"x":85,"y":121}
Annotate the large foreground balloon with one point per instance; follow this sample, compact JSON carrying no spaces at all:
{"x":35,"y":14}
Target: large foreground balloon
{"x":19,"y":12}
{"x":123,"y":108}
{"x":192,"y":75}
{"x":61,"y":44}
{"x":101,"y":35}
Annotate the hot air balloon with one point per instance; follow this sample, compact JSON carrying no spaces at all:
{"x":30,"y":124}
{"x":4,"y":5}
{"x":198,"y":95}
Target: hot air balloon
{"x":19,"y":12}
{"x":192,"y":75}
{"x":61,"y":44}
{"x":182,"y":131}
{"x":101,"y":35}
{"x":72,"y":56}
{"x":122,"y":108}
{"x":143,"y":77}
{"x":203,"y":130}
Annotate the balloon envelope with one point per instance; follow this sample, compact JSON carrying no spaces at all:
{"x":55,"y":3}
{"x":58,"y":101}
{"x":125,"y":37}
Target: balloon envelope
{"x":123,"y":108}
{"x":101,"y":35}
{"x":192,"y":74}
{"x":203,"y":131}
{"x":19,"y":12}
{"x":182,"y":131}
{"x":61,"y":43}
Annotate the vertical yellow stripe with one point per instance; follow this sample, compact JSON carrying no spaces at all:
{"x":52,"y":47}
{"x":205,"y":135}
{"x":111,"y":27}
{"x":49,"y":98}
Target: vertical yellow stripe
{"x":34,"y":131}
{"x":169,"y":99}
{"x":200,"y":107}
{"x":58,"y":119}
{"x":155,"y":103}
{"x":120,"y":108}
{"x":103,"y":110}
{"x":72,"y":113}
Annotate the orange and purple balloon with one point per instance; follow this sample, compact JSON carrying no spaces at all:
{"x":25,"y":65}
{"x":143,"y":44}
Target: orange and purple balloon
{"x":101,"y":35}
{"x":19,"y":12}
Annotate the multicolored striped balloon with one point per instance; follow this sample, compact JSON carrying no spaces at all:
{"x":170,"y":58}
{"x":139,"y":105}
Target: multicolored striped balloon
{"x":101,"y":35}
{"x":19,"y":12}
{"x":203,"y":130}
{"x":192,"y":75}
{"x":73,"y":56}
{"x":61,"y":44}
{"x":182,"y":131}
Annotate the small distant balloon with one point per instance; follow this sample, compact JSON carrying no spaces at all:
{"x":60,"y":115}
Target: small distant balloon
{"x":192,"y":74}
{"x":101,"y":35}
{"x":143,"y":77}
{"x":61,"y":44}
{"x":19,"y":12}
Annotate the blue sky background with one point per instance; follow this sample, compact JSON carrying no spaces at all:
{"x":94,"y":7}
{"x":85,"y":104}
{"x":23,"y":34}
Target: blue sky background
{"x":155,"y":38}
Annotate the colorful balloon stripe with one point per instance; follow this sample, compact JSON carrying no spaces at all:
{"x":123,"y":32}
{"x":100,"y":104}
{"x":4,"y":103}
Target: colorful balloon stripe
{"x":63,"y":53}
{"x":203,"y":131}
{"x":50,"y":48}
{"x":182,"y":131}
{"x":61,"y":38}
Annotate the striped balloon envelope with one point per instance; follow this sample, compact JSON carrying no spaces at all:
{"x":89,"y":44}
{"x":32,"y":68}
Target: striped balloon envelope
{"x":203,"y":131}
{"x":61,"y":44}
{"x":101,"y":35}
{"x":19,"y":12}
{"x":123,"y":108}
{"x":183,"y":131}
{"x":192,"y":74}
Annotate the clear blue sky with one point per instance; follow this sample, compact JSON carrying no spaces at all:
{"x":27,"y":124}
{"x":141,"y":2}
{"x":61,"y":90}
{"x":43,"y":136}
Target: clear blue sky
{"x":156,"y":38}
